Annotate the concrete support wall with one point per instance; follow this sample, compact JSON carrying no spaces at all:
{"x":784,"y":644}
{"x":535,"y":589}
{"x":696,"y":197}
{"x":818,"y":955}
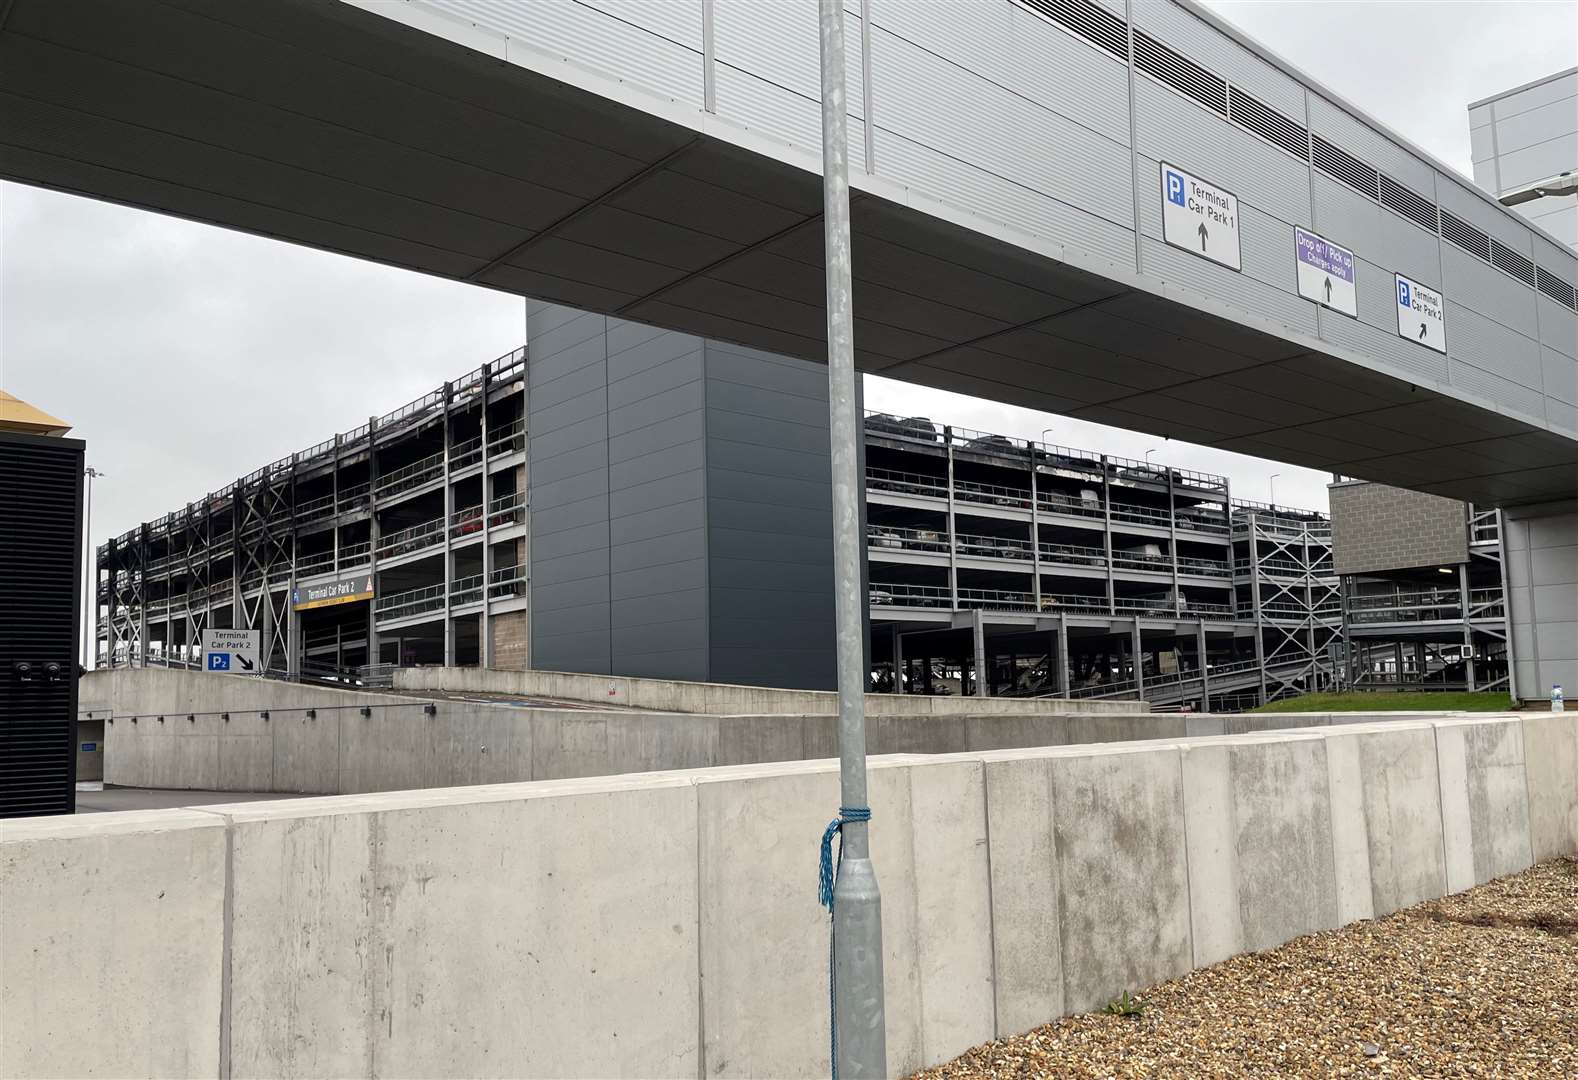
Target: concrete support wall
{"x":511,"y":640}
{"x":670,"y":695}
{"x":470,"y":932}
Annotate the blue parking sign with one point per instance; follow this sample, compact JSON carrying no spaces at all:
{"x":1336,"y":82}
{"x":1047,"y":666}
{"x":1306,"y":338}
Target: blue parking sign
{"x":218,"y":661}
{"x":1175,"y":188}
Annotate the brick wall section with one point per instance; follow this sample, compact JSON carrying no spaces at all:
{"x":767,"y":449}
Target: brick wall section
{"x":512,"y":641}
{"x":1375,"y":527}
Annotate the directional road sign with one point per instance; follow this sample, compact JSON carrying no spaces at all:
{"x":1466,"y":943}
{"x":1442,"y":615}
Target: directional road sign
{"x":1199,"y":217}
{"x":233,"y":651}
{"x":1325,"y":272}
{"x":1421,"y":314}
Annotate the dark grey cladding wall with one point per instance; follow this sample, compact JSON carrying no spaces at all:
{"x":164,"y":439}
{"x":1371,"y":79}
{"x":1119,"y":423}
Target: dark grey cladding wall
{"x":680,"y":506}
{"x":769,"y":519}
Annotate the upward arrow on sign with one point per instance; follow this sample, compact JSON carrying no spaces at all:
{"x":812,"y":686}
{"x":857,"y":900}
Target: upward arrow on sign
{"x":1328,"y":290}
{"x":1421,"y":331}
{"x":1203,"y":235}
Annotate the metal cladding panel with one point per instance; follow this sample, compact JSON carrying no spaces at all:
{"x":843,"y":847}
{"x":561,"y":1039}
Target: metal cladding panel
{"x":1558,"y":260}
{"x":767,"y":107}
{"x":595,"y":38}
{"x":1345,"y":217}
{"x":1494,"y":388}
{"x":1482,"y":149}
{"x":1170,"y":127}
{"x":1407,"y":249}
{"x":1001,"y":200}
{"x":1559,"y":414}
{"x":1540,"y":124}
{"x":1560,"y":374}
{"x":1190,"y":35}
{"x":769,"y":484}
{"x":1266,"y":244}
{"x":677,"y":20}
{"x":1519,"y":167}
{"x":964,"y":116}
{"x":1457,"y":199}
{"x":1535,"y":96}
{"x":1172,"y":265}
{"x":1467,"y":281}
{"x":1487,"y":344}
{"x":1369,"y":145}
{"x":1018,"y":49}
{"x":40,"y":538}
{"x":1403,"y":359}
{"x":1558,"y":326}
{"x":779,"y":42}
{"x":1375,"y":288}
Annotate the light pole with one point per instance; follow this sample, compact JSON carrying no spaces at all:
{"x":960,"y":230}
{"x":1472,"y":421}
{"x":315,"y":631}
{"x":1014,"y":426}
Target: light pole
{"x":858,"y":1025}
{"x":92,"y":595}
{"x":1044,"y":433}
{"x":1148,"y":454}
{"x":1273,"y":484}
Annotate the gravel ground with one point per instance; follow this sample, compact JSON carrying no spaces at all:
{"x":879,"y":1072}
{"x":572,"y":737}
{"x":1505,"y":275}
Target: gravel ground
{"x":1483,"y":983}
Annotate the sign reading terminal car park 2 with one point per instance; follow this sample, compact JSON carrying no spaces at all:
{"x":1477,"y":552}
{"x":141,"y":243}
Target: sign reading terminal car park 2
{"x":1325,"y":272}
{"x":1199,"y":217}
{"x":232,"y":651}
{"x":1421,"y":314}
{"x":344,"y":591}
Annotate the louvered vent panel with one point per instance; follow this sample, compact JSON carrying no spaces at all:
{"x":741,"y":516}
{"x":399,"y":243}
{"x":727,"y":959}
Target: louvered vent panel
{"x":1510,"y":261}
{"x":38,"y":623}
{"x":1465,"y":235}
{"x":1179,"y":72}
{"x":1556,"y":288}
{"x":1266,"y":122}
{"x":1345,"y":167}
{"x":1415,"y":208}
{"x":1091,"y":22}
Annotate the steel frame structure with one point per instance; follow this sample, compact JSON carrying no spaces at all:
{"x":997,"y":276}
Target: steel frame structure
{"x":233,"y":559}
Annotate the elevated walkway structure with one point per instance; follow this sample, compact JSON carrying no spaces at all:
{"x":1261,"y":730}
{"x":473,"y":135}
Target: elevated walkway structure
{"x":660,"y":162}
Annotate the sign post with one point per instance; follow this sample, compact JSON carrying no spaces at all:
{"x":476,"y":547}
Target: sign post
{"x":1421,"y":314}
{"x":1326,"y":273}
{"x":1200,"y":218}
{"x":234,"y":652}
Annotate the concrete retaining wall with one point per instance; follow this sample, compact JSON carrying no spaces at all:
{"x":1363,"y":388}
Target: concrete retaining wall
{"x":666,"y":924}
{"x":337,"y":751}
{"x":665,"y":695}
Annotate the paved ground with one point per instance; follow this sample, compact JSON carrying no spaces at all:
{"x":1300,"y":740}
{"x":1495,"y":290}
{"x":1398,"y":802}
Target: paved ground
{"x":96,"y":799}
{"x":1483,"y":983}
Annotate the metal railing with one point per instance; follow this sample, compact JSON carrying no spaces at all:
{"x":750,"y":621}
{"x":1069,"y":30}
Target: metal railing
{"x":892,"y":538}
{"x":904,"y":483}
{"x":402,"y":605}
{"x":416,"y":538}
{"x":411,"y":476}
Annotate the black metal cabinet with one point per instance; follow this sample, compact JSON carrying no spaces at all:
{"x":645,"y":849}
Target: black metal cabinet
{"x":40,"y":600}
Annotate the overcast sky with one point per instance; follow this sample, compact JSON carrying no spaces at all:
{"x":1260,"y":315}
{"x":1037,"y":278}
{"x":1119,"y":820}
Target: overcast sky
{"x":188,"y":355}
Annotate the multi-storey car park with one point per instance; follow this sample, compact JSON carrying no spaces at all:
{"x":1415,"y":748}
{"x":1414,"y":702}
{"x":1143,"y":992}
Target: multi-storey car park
{"x":401,"y":541}
{"x":404,"y":541}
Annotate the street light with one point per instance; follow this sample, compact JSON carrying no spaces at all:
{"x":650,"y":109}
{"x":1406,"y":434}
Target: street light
{"x":858,"y":1020}
{"x":1273,"y":483}
{"x":93,"y":578}
{"x":1044,"y":433}
{"x":1148,"y":454}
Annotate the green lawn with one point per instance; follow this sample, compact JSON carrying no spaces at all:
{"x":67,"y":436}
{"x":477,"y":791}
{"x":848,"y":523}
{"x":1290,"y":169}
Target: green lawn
{"x":1385,"y":702}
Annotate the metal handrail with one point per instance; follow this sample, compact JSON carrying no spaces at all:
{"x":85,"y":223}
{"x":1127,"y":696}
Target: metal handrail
{"x":904,"y":483}
{"x":892,"y":537}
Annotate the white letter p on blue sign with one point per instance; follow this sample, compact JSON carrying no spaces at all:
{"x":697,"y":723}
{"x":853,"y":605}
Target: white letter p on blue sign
{"x":1175,"y":188}
{"x":1403,"y":299}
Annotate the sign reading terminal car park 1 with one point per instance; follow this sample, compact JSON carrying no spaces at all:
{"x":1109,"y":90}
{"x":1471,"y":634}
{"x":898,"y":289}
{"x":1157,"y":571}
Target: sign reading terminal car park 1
{"x":1325,"y":272}
{"x":232,"y":651}
{"x":1199,"y":217}
{"x":344,"y":591}
{"x":1421,"y":314}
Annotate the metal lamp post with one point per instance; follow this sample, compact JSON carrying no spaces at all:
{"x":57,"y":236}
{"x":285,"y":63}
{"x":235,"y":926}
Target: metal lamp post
{"x":859,"y":1035}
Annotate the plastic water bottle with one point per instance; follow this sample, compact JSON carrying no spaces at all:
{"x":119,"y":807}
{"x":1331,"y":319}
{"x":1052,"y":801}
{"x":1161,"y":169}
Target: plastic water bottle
{"x":1558,"y":702}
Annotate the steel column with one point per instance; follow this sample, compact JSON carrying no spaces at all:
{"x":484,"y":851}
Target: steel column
{"x":978,"y":641}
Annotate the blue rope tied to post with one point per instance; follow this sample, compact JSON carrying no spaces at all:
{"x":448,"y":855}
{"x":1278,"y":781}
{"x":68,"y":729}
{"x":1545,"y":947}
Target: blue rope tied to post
{"x":824,"y":891}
